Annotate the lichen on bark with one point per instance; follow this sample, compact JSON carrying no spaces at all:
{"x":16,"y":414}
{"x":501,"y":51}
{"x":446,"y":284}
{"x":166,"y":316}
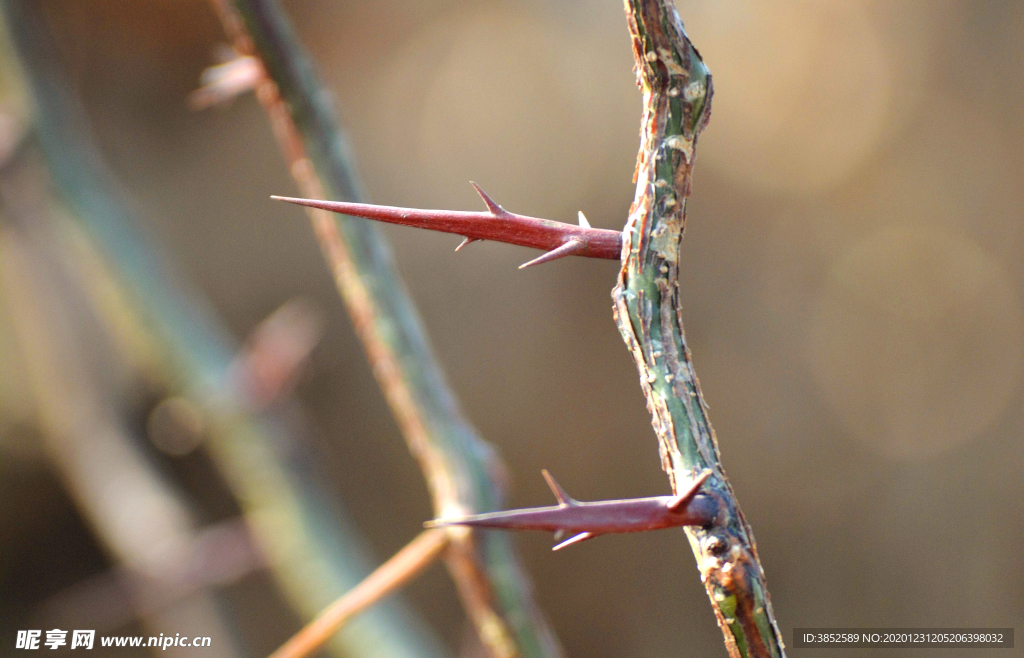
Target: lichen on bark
{"x":677,"y":90}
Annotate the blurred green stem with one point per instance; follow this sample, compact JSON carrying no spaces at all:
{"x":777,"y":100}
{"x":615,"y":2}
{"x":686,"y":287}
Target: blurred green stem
{"x":459,"y":467}
{"x":314,"y":552}
{"x":135,"y":513}
{"x":677,"y":93}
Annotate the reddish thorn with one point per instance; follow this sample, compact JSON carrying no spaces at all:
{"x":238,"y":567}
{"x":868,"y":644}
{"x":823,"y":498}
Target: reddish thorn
{"x":466,"y":241}
{"x":575,"y":539}
{"x":576,"y":518}
{"x":684,"y":498}
{"x":570,"y":248}
{"x":564,"y":499}
{"x":493,"y":224}
{"x":495,"y":209}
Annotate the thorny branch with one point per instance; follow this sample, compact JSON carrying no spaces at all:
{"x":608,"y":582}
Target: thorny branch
{"x":461,"y":470}
{"x":677,"y":93}
{"x":581,"y":521}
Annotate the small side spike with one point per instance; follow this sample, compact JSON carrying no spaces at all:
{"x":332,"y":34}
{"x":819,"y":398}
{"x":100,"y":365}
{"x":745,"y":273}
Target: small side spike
{"x":569,"y":248}
{"x":466,"y":241}
{"x":564,"y":499}
{"x":493,"y":207}
{"x":575,"y":539}
{"x":684,"y":498}
{"x":583,"y":220}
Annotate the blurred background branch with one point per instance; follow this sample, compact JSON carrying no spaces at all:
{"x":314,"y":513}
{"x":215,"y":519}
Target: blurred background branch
{"x":75,"y":374}
{"x":313,"y":551}
{"x":462,"y":472}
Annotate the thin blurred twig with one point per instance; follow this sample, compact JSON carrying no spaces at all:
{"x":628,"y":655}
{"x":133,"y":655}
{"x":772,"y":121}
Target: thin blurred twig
{"x":314,"y":552}
{"x":135,"y":513}
{"x":216,"y":555}
{"x":459,"y":467}
{"x":403,"y":566}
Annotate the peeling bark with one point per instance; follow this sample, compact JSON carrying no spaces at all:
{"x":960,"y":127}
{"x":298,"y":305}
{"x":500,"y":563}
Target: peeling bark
{"x":677,"y":91}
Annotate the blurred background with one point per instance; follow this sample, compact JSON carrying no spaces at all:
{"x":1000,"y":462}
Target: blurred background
{"x":852,"y":285}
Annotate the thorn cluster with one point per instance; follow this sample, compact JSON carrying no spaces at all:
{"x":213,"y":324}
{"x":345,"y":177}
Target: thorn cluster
{"x":581,"y":521}
{"x":557,"y":239}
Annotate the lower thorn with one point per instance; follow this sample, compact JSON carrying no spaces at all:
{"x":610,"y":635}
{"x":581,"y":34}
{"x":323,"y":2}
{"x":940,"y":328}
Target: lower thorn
{"x":466,"y":241}
{"x":571,"y":247}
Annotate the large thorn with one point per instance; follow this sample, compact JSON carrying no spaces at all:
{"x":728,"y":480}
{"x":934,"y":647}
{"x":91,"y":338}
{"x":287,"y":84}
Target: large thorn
{"x":570,"y":248}
{"x":496,"y":223}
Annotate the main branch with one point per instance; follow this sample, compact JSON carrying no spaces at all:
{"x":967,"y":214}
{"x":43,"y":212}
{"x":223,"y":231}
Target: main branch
{"x":677,"y":92}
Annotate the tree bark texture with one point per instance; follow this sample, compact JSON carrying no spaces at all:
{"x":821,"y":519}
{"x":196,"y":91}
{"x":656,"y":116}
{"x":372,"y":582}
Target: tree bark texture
{"x":677,"y":91}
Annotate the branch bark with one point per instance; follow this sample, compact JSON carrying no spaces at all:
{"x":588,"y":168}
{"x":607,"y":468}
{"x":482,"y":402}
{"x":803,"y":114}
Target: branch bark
{"x":459,"y":467}
{"x":677,"y":93}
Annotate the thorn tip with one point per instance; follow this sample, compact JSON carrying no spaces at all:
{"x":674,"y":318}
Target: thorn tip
{"x":564,"y":499}
{"x":493,"y":207}
{"x":466,"y":241}
{"x":575,"y":539}
{"x":569,"y":248}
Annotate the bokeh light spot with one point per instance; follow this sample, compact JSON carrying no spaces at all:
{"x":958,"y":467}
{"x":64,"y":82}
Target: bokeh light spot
{"x":802,"y":91}
{"x":916,"y":340}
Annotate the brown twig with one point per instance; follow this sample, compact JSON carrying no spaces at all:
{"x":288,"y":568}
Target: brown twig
{"x":405,"y":565}
{"x":557,"y":238}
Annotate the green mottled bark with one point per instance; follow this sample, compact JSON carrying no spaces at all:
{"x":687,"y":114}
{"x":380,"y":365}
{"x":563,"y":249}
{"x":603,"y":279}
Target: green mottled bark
{"x":677,"y":93}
